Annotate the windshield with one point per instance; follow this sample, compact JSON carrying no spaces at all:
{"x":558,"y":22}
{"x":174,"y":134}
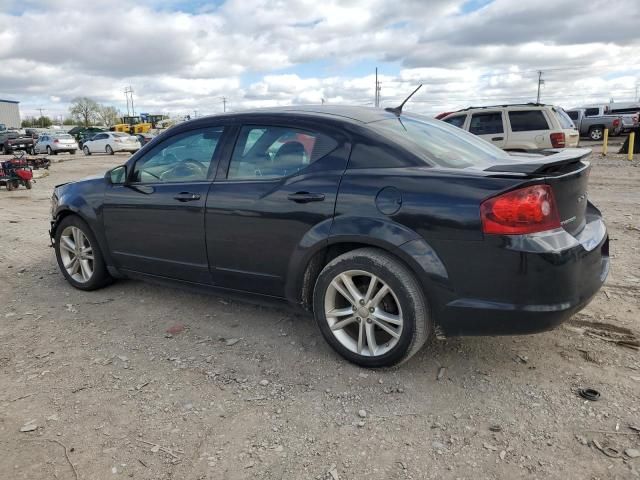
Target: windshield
{"x":63,"y":136}
{"x":440,"y":143}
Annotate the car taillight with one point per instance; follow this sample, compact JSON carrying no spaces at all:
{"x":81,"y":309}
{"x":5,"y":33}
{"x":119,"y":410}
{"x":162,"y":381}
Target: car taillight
{"x":557,"y":140}
{"x":616,"y":122}
{"x":56,"y":141}
{"x":117,"y":140}
{"x":526,"y":210}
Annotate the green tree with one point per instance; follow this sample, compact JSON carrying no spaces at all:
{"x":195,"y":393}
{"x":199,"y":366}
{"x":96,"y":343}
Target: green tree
{"x":43,"y":122}
{"x":26,"y":123}
{"x":84,"y":110}
{"x":107,"y":115}
{"x":68,"y":121}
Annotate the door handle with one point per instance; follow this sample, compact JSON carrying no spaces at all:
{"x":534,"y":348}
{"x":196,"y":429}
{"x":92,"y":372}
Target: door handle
{"x":495,"y":139}
{"x":187,"y":197}
{"x":305,"y":197}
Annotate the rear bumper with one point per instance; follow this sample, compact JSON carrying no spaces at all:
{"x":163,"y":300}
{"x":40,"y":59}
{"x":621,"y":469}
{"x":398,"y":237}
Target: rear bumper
{"x":542,"y":281}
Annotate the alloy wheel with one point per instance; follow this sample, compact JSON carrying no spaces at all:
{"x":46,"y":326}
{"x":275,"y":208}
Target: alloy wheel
{"x":363,"y":313}
{"x":76,"y":253}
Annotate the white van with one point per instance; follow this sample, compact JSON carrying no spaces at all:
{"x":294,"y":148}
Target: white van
{"x":527,"y":127}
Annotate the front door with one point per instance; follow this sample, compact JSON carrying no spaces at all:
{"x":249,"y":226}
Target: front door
{"x":277,"y":192}
{"x":154,"y":224}
{"x":489,"y":126}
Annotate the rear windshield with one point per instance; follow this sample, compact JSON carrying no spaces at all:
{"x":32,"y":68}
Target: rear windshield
{"x":65,"y":136}
{"x":119,"y":134}
{"x":441,"y":144}
{"x":563,"y":118}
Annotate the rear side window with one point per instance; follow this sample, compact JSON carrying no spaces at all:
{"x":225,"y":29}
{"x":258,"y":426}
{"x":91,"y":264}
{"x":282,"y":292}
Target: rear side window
{"x":264,"y":152}
{"x":486,"y":123}
{"x":563,"y":119}
{"x":528,"y":120}
{"x":434,"y":142}
{"x":457,"y":121}
{"x":591,"y":112}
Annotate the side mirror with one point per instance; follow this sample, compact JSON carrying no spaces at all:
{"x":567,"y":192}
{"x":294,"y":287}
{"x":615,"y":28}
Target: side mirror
{"x":117,"y":176}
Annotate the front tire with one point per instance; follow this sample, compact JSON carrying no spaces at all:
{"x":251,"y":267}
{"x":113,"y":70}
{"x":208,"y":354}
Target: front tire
{"x":371,"y":309}
{"x":86,"y":150}
{"x":78,"y":254}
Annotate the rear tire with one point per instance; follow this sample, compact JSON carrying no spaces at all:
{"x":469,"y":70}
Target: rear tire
{"x":109,"y":150}
{"x":72,"y":152}
{"x":99,"y":275}
{"x":28,"y":184}
{"x":10,"y":186}
{"x":398,"y":321}
{"x":596,"y":133}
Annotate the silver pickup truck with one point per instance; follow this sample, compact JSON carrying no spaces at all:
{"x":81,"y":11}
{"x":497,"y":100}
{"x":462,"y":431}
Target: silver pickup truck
{"x":627,"y":111}
{"x":593,"y":126}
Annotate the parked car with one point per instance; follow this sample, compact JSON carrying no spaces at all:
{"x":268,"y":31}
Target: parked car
{"x":523,"y":128}
{"x":383,"y":224}
{"x":54,"y":143}
{"x":82,"y":133}
{"x":593,"y":126}
{"x":144,"y":138}
{"x":15,"y":140}
{"x":111,"y":142}
{"x":629,"y":112}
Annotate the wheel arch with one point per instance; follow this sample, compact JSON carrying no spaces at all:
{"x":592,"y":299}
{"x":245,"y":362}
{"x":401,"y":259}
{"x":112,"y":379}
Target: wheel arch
{"x":406,"y":246}
{"x":68,"y":210}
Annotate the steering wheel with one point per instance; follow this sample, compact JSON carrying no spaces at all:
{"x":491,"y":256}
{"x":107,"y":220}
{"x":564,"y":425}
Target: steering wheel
{"x":195,"y":168}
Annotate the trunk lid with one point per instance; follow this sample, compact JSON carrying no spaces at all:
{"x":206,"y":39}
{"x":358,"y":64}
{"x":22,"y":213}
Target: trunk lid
{"x":567,"y":173}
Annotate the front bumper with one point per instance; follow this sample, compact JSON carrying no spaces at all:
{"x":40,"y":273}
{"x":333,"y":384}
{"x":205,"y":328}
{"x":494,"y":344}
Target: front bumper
{"x":538,"y":283}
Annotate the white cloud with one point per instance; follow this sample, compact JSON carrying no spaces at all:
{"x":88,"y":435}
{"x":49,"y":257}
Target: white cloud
{"x":178,"y":61}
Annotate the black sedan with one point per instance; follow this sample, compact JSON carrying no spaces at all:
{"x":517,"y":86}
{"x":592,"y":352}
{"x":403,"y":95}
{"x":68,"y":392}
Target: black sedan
{"x":388,"y":227}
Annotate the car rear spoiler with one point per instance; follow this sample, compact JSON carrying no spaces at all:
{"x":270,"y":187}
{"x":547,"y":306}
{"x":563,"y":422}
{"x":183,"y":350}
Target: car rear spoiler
{"x":549,"y":160}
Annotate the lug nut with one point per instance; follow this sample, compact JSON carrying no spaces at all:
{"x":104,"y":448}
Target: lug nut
{"x":371,"y":309}
{"x":361,"y":302}
{"x":369,"y":320}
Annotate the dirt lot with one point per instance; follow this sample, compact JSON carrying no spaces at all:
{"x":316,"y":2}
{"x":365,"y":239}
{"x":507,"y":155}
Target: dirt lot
{"x":254,"y":392}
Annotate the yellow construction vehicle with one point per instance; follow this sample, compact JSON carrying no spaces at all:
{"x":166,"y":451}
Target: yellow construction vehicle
{"x":133,"y":124}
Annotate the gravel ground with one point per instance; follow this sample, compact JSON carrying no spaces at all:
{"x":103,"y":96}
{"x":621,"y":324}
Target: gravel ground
{"x":143,"y":381}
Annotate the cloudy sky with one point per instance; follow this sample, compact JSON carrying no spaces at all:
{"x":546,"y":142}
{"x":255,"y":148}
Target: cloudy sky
{"x":185,"y":55}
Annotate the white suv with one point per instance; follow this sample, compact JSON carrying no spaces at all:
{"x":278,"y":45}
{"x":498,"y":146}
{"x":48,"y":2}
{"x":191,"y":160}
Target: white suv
{"x":528,"y":127}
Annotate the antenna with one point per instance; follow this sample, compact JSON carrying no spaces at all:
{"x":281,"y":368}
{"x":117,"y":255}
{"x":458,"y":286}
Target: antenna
{"x":398,"y":110}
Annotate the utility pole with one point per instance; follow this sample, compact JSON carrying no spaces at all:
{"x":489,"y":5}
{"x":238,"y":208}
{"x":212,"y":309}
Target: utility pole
{"x":376,"y":98}
{"x":129,"y":91}
{"x":224,"y":104}
{"x":375,"y":91}
{"x":540,"y":82}
{"x":41,"y":116}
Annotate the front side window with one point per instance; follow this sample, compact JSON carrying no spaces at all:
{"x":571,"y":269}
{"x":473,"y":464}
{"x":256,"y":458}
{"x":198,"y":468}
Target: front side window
{"x":527,"y":120}
{"x":486,"y":123}
{"x":275,"y":152}
{"x":457,"y":121}
{"x":185,"y":157}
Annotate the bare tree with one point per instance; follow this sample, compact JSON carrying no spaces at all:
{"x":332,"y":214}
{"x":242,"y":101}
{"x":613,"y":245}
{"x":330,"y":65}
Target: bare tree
{"x":107,"y":115}
{"x":84,"y":110}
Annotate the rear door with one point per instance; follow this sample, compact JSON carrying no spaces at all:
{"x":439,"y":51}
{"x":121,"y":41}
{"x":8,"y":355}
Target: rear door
{"x":99,"y":142}
{"x":489,"y":125}
{"x":529,"y":129}
{"x":276,"y":191}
